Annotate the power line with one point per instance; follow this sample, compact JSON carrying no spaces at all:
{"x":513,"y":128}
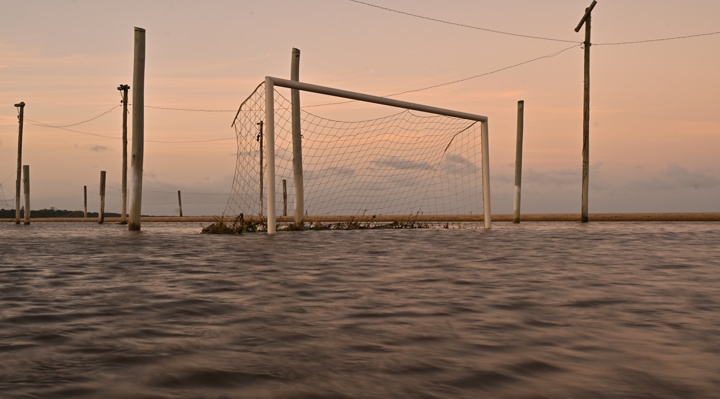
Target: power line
{"x":91,"y":119}
{"x":41,"y":124}
{"x":531,"y":36}
{"x":488,"y":73}
{"x":72,"y":124}
{"x":64,"y":127}
{"x":464,"y":25}
{"x":190,"y":109}
{"x":657,"y":40}
{"x":189,"y":141}
{"x":460,"y":80}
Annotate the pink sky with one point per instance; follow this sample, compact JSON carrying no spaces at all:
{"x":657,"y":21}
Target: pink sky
{"x":655,"y":135}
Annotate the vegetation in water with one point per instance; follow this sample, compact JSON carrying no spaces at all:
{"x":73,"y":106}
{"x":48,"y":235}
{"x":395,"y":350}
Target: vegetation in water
{"x":238,"y":226}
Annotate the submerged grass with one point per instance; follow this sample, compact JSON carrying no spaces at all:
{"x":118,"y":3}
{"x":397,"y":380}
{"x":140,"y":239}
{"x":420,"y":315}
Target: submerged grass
{"x":238,"y":226}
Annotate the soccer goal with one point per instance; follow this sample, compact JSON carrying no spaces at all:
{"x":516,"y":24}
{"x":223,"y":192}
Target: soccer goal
{"x":414,"y":164}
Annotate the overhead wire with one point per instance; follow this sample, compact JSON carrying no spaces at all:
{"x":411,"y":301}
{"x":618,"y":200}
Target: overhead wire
{"x":551,"y":55}
{"x":442,"y":21}
{"x":189,"y":141}
{"x":489,"y":73}
{"x":656,"y":40}
{"x":530,"y":36}
{"x":65,"y":127}
{"x":190,"y":109}
{"x":554,"y":54}
{"x":93,"y":118}
{"x":40,"y":124}
{"x":72,"y":124}
{"x":575,"y":44}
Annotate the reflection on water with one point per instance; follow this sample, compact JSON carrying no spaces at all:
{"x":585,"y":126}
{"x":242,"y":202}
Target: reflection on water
{"x":558,"y":310}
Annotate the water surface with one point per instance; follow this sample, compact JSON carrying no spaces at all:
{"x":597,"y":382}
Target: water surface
{"x":539,"y":310}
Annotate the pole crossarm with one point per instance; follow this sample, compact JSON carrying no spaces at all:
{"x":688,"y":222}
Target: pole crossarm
{"x":374,"y":99}
{"x":586,"y":16}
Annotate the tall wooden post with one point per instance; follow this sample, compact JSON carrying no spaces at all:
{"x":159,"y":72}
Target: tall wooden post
{"x":180,"y":202}
{"x":21,"y":117}
{"x":26,"y":183}
{"x":586,"y":112}
{"x":260,"y":139}
{"x":518,"y":159}
{"x":123,"y":209}
{"x":101,"y":213}
{"x":284,"y":197}
{"x":138,"y":129}
{"x":85,"y":197}
{"x":297,"y":140}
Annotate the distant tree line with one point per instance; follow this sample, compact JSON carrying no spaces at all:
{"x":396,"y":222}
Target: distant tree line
{"x":52,"y":213}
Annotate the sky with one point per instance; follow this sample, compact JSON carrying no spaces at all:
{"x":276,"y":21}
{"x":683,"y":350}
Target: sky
{"x":655,"y":125}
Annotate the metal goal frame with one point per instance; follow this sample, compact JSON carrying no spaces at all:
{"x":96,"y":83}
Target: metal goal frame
{"x":271,"y":82}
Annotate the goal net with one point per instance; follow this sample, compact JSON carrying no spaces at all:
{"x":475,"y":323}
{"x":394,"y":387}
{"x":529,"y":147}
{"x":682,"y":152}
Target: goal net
{"x":409,"y":167}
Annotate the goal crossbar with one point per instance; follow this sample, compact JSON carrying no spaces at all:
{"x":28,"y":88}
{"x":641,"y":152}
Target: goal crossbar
{"x":351,"y":95}
{"x":271,"y":82}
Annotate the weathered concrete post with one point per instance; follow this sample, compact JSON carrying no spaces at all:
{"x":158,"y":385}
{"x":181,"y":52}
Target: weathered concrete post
{"x":518,"y":160}
{"x":21,"y":117}
{"x":484,"y":139}
{"x":180,"y":202}
{"x":138,"y":129}
{"x":26,"y":182}
{"x":297,"y":140}
{"x":101,"y":213}
{"x":270,"y":152}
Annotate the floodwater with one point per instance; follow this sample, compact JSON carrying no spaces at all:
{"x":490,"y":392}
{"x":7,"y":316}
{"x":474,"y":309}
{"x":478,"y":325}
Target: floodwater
{"x":538,"y":310}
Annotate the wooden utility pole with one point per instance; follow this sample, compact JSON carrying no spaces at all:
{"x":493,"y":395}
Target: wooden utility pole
{"x":284,"y":197}
{"x":518,"y":159}
{"x":101,"y":214}
{"x":260,"y":140}
{"x":85,"y":197}
{"x":586,"y":112}
{"x":138,"y":129}
{"x":180,"y":202}
{"x":123,"y":212}
{"x":21,"y":116}
{"x":26,"y":183}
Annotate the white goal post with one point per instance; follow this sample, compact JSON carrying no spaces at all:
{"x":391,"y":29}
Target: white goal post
{"x":271,"y":82}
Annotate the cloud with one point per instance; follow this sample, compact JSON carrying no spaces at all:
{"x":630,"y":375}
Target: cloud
{"x":557,"y":178}
{"x":98,"y":148}
{"x":402,"y":164}
{"x":676,"y":176}
{"x":343,"y":172}
{"x":457,"y":164}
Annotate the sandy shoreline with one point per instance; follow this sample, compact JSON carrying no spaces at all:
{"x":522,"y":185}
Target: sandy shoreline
{"x":565,"y":217}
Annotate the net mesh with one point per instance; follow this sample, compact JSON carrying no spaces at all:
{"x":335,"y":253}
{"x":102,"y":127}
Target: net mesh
{"x":404,"y":165}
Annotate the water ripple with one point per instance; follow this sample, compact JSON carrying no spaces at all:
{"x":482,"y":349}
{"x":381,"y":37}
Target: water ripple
{"x":543,"y":310}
